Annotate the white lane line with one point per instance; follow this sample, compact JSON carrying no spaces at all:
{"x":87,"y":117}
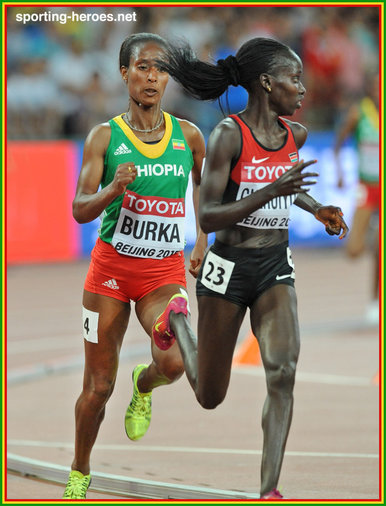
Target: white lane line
{"x":36,"y":371}
{"x":188,"y":449}
{"x":311,"y":377}
{"x":130,"y":487}
{"x":16,"y":346}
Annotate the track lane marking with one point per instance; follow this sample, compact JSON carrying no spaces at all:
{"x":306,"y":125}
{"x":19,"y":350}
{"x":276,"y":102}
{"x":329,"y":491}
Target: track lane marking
{"x":187,"y":449}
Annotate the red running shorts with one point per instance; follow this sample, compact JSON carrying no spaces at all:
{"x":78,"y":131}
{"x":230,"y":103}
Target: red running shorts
{"x":130,"y":278}
{"x":368,"y":196}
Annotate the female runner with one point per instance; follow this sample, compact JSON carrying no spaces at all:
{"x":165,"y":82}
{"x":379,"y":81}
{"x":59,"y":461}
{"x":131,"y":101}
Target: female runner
{"x":252,"y":176}
{"x":142,"y":160}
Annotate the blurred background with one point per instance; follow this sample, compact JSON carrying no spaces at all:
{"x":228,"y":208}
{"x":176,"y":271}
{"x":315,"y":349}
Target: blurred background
{"x":63,"y":78}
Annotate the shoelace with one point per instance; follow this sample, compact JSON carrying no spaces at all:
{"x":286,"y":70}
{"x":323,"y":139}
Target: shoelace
{"x":77,"y":486}
{"x":140,"y":404}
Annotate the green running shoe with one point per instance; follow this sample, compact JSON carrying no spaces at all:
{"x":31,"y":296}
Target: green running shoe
{"x":138,"y":414}
{"x":77,"y":485}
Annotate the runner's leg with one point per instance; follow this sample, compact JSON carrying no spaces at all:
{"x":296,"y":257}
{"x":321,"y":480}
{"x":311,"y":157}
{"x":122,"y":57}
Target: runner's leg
{"x":356,"y":240}
{"x":167,"y":366}
{"x":218,"y":328}
{"x":101,"y":365}
{"x":274,"y":321}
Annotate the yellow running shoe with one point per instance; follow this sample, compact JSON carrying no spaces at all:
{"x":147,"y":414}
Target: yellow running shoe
{"x":138,"y":414}
{"x":77,"y":485}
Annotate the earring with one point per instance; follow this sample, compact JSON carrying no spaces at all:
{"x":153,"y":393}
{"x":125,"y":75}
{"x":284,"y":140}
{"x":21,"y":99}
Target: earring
{"x":269,"y":89}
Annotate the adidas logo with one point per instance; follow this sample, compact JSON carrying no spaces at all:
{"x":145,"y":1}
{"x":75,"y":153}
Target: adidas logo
{"x":111,"y":283}
{"x":122,"y":149}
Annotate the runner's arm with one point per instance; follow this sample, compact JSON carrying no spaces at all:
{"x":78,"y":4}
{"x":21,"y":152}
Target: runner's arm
{"x":196,"y":143}
{"x":89,"y":203}
{"x":223,"y":147}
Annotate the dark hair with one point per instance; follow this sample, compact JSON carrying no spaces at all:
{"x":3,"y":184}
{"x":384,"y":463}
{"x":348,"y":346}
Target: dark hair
{"x":132,"y":41}
{"x":208,"y":81}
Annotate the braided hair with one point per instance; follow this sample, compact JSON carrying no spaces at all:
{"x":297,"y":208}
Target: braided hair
{"x":208,"y":81}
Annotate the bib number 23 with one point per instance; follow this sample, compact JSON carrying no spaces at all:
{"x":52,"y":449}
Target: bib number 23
{"x":216,"y":272}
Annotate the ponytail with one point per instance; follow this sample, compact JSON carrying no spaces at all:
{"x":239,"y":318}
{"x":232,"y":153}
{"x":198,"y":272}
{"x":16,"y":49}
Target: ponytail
{"x":208,"y":81}
{"x":202,"y":80}
{"x":231,"y":68}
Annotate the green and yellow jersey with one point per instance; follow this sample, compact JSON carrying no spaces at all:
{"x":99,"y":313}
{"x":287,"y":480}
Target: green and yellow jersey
{"x":367,"y":140}
{"x":148,"y":219}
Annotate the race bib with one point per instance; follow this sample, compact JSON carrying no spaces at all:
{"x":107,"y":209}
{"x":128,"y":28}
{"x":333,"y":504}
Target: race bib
{"x":275,"y":213}
{"x":369,"y":161}
{"x":216,"y":272}
{"x":150,"y":227}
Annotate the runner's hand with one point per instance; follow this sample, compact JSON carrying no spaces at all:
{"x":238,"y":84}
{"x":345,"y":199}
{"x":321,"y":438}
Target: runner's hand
{"x":124,"y":175}
{"x":332,"y":219}
{"x":294,"y":180}
{"x":196,"y":259}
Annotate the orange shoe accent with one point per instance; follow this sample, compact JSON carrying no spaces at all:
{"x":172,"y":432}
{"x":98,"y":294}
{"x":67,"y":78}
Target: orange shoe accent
{"x":248,"y":353}
{"x":375,"y":380}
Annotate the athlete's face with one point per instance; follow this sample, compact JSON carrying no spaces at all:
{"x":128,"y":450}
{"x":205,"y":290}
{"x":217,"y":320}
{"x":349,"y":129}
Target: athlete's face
{"x":145,"y":81}
{"x":287,"y":89}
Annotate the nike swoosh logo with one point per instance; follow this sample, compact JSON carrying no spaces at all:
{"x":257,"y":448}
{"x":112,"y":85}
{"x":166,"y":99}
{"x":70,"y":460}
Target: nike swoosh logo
{"x":259,"y":161}
{"x":157,"y":328}
{"x":284,"y":276}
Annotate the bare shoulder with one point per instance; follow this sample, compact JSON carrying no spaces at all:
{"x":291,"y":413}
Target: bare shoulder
{"x":189,"y":129}
{"x":299,"y":131}
{"x":192,"y":134}
{"x":227,"y":129}
{"x":353,"y":115}
{"x":227,"y":126}
{"x":99,"y":138}
{"x":100,"y":132}
{"x":227,"y":136}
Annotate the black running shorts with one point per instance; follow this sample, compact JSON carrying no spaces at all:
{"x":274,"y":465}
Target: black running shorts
{"x":241,"y":275}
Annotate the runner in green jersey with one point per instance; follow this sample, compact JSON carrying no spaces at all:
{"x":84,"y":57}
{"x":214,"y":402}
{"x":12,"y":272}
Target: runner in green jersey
{"x":141,"y":161}
{"x":362,"y":122}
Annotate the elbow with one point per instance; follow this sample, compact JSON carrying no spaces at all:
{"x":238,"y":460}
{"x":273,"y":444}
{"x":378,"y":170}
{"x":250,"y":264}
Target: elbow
{"x":77,"y":214}
{"x":206,"y":221}
{"x":206,"y":228}
{"x":80,"y":220}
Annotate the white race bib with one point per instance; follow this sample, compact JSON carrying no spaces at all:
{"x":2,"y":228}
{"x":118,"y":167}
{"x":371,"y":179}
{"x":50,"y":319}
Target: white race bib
{"x":216,"y":272}
{"x":150,"y":227}
{"x":275,"y":213}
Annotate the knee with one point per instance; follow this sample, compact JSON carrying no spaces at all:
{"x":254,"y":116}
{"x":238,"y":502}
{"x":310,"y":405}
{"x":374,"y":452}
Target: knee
{"x":354,"y":253}
{"x":281,"y":379}
{"x":172,"y":368}
{"x":101,"y":390}
{"x":210,"y":399}
{"x":355,"y":249}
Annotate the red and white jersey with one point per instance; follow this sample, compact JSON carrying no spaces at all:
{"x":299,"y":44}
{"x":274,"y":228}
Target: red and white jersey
{"x":256,"y":167}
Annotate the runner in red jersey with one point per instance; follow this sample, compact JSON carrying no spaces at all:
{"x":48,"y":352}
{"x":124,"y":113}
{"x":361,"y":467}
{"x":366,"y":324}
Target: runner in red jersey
{"x":252,"y":176}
